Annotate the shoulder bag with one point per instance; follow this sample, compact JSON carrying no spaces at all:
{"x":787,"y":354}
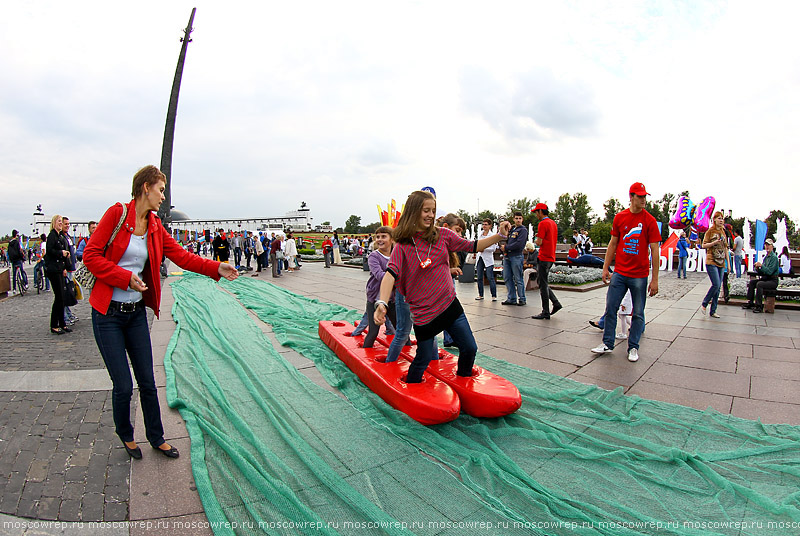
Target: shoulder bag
{"x":82,"y":275}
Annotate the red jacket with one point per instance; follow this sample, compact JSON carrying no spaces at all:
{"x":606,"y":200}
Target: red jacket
{"x":159,"y":244}
{"x":327,"y":245}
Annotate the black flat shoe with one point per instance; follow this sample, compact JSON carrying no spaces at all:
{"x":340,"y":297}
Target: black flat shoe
{"x":136,"y":453}
{"x":67,"y":330}
{"x":541,"y":316}
{"x":57,"y":331}
{"x":556,"y":308}
{"x":171,"y":452}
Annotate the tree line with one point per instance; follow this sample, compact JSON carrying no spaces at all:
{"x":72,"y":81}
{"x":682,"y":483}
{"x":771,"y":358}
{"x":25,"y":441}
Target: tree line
{"x":573,"y":212}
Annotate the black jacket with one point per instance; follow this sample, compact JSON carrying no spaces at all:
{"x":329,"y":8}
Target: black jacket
{"x":54,"y":260}
{"x":14,"y":251}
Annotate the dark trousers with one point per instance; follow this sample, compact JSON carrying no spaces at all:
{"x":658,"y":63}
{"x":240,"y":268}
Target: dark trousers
{"x":259,"y":262}
{"x":757,"y":287}
{"x":372,"y":334}
{"x":275,"y":268}
{"x":237,"y":256}
{"x":247,"y":256}
{"x":542,"y":271}
{"x":122,"y":336}
{"x":57,"y":313}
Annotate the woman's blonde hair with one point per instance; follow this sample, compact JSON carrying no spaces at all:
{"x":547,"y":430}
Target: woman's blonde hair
{"x":53,"y":221}
{"x":408,"y":224}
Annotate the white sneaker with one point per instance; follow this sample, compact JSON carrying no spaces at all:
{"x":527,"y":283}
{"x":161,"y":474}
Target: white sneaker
{"x":602,"y":349}
{"x":494,"y":298}
{"x":703,"y":309}
{"x":621,"y":336}
{"x":633,"y":355}
{"x":478,"y":297}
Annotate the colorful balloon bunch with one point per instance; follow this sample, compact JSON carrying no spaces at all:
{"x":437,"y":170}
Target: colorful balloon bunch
{"x":688,"y":214}
{"x":390,"y":216}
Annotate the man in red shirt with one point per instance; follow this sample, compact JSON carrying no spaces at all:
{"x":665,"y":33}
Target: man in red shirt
{"x":634,"y":241}
{"x":546,"y":238}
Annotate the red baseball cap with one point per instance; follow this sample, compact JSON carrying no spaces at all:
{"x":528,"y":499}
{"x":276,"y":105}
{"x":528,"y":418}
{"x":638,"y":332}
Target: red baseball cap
{"x":539,"y":206}
{"x":638,"y":189}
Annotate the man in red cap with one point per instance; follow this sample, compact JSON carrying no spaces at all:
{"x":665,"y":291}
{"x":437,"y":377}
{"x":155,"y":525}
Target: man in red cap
{"x":634,"y":241}
{"x":546,"y":238}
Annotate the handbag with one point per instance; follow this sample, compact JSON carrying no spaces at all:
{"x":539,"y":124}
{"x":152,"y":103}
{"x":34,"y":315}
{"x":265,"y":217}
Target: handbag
{"x":69,"y":293}
{"x":82,"y":275}
{"x":279,"y":255}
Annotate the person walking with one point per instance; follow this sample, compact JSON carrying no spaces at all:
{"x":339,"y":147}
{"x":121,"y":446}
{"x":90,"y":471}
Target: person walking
{"x":634,"y":241}
{"x":128,"y":280}
{"x":546,"y":238}
{"x":716,"y":247}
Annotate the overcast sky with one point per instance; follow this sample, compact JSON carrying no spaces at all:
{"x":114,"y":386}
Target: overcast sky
{"x":346,"y":105}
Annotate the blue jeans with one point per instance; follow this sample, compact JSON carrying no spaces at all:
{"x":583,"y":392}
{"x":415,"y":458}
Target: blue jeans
{"x":402,"y":329}
{"x":24,"y":276}
{"x":682,"y":266}
{"x":121,"y":336}
{"x":620,"y":284}
{"x":427,"y":351}
{"x":364,"y":324}
{"x":712,"y":296}
{"x":489,"y":271}
{"x":512,"y":273}
{"x":737,"y":265}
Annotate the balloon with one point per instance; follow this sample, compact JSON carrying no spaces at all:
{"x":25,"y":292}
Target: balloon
{"x":683,"y":215}
{"x":702,"y":215}
{"x":429,"y":189}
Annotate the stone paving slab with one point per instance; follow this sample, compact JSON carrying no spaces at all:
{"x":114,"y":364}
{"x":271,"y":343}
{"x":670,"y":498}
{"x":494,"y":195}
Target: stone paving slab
{"x":71,"y":464}
{"x":59,"y":458}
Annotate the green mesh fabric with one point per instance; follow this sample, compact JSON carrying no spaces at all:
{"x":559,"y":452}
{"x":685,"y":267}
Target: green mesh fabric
{"x":268,"y":445}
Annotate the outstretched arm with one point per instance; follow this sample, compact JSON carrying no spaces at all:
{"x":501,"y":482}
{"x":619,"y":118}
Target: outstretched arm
{"x":502,"y":234}
{"x":387,"y":284}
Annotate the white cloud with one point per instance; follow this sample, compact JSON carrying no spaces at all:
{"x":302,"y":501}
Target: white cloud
{"x":350,"y":104}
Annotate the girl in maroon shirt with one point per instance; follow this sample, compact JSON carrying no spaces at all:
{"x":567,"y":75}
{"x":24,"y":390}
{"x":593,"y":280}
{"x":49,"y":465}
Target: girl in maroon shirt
{"x":420,"y":266}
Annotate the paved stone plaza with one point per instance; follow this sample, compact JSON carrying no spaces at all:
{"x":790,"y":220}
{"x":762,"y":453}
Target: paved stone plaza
{"x":61,"y":461}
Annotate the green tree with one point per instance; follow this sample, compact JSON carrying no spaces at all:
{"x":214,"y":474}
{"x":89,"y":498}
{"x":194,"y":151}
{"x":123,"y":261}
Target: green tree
{"x":612,"y":207}
{"x":484,"y":215}
{"x":325,"y":223}
{"x":772,"y":226}
{"x":468,"y":218}
{"x":369,"y":229}
{"x":581,"y":211}
{"x":525,"y":206}
{"x":600,"y":233}
{"x":352,"y":224}
{"x":562,"y":214}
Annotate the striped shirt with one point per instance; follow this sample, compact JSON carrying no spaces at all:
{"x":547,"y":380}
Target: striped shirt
{"x":428,"y":291}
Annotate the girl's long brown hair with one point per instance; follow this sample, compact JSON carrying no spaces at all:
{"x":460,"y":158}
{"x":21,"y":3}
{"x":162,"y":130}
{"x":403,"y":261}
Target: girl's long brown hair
{"x":409,"y":220}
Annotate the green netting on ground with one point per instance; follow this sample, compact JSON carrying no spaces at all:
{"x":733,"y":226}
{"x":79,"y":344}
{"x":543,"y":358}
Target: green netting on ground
{"x":608,"y":463}
{"x":274,"y":453}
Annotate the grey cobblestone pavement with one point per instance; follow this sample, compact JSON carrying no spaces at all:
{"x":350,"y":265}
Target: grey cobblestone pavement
{"x":27,"y":344}
{"x":59,"y":457}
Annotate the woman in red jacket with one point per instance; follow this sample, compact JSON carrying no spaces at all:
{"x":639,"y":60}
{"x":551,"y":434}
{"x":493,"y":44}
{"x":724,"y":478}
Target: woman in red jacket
{"x":128,"y":279}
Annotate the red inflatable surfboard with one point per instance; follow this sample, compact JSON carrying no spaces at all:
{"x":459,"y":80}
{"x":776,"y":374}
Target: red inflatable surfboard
{"x":429,"y":402}
{"x":484,"y":394}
